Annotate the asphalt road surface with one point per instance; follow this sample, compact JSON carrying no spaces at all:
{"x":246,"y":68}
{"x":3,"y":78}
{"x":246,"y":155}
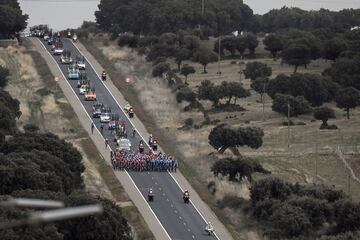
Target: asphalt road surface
{"x":181,"y":221}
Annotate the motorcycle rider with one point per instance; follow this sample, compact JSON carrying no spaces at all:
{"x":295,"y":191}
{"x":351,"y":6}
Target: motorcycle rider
{"x":103,"y":75}
{"x":141,"y":146}
{"x":154,"y":145}
{"x":186,"y":196}
{"x":150,"y":195}
{"x":209,"y":228}
{"x":151,"y":139}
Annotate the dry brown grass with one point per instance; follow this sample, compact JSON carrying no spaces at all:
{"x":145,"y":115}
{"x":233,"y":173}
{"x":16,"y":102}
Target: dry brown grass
{"x":30,"y":79}
{"x":296,"y":164}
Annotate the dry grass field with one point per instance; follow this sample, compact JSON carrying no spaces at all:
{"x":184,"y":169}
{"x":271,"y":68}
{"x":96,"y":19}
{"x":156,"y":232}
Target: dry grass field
{"x":311,"y":150}
{"x":43,"y":104}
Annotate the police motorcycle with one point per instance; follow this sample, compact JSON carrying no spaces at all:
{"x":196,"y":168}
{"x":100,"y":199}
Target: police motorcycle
{"x":186,"y":196}
{"x":209,"y":229}
{"x":150,"y":195}
{"x":103,"y":76}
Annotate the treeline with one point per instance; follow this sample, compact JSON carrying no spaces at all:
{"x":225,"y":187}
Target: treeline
{"x":295,"y":18}
{"x":144,"y":17}
{"x":12,"y":20}
{"x":220,"y":17}
{"x":41,"y":165}
{"x":294,"y":211}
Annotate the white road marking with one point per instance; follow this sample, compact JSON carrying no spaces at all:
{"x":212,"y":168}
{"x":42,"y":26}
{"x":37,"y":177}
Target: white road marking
{"x":139,"y":132}
{"x":99,"y":131}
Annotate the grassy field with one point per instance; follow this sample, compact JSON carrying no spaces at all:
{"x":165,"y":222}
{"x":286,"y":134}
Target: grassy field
{"x":310,"y":158}
{"x":42,"y":104}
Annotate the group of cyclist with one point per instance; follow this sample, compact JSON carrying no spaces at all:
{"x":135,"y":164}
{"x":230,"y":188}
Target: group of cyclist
{"x":141,"y":161}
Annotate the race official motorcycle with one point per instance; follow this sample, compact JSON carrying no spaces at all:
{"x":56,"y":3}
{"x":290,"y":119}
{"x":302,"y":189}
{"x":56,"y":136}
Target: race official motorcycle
{"x":150,"y":195}
{"x":103,"y":76}
{"x":209,"y":229}
{"x":186,"y":197}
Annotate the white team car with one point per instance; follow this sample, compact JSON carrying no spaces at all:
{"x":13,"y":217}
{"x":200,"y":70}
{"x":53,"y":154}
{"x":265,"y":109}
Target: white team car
{"x":58,"y":51}
{"x":80,"y":62}
{"x":124,"y":144}
{"x":81,"y":65}
{"x":83,"y":88}
{"x":105,"y":117}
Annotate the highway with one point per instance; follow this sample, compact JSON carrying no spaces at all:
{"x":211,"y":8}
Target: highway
{"x":180,"y":220}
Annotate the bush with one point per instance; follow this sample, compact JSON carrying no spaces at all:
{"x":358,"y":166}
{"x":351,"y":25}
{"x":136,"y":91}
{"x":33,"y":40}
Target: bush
{"x":4,"y":74}
{"x":298,"y":105}
{"x":160,"y":69}
{"x":128,"y":39}
{"x":290,"y":221}
{"x":31,"y":128}
{"x":189,"y":122}
{"x":233,"y":202}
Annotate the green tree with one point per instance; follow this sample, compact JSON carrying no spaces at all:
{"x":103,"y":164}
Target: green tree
{"x":314,"y":88}
{"x":4,"y":74}
{"x":348,"y":217}
{"x":26,"y":142}
{"x":296,"y":55}
{"x":186,"y":70}
{"x":9,"y":111}
{"x":298,"y":105}
{"x":334,"y":47}
{"x":233,"y":90}
{"x":270,"y":188}
{"x":229,"y":44}
{"x":294,"y":218}
{"x":181,"y":54}
{"x":260,"y":85}
{"x":251,"y":42}
{"x":319,"y":211}
{"x":241,"y":45}
{"x":323,"y":114}
{"x":208,"y":91}
{"x":347,"y":98}
{"x":160,"y":50}
{"x":19,"y":173}
{"x":111,"y":224}
{"x":345,"y":71}
{"x":12,"y":21}
{"x":237,"y":169}
{"x":128,"y":39}
{"x":223,"y":137}
{"x":204,"y":57}
{"x":274,"y":44}
{"x":255,"y":70}
{"x":160,"y":68}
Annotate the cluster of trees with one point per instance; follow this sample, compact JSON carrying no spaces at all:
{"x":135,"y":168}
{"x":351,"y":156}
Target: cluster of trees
{"x":238,"y":169}
{"x":287,"y":18}
{"x":41,"y":165}
{"x":237,"y":44}
{"x":314,"y":88}
{"x":143,"y":17}
{"x":301,"y":92}
{"x":223,"y":137}
{"x":230,"y":90}
{"x":12,"y":21}
{"x":308,"y":211}
{"x":299,"y":47}
{"x":9,"y":107}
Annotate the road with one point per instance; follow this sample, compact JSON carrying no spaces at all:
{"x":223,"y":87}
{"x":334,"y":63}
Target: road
{"x":178,"y":220}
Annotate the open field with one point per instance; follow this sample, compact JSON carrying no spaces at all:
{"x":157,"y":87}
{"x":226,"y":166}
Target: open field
{"x":43,"y":104}
{"x":311,"y":150}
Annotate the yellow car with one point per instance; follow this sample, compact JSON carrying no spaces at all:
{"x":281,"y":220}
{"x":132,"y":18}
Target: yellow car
{"x":90,"y":95}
